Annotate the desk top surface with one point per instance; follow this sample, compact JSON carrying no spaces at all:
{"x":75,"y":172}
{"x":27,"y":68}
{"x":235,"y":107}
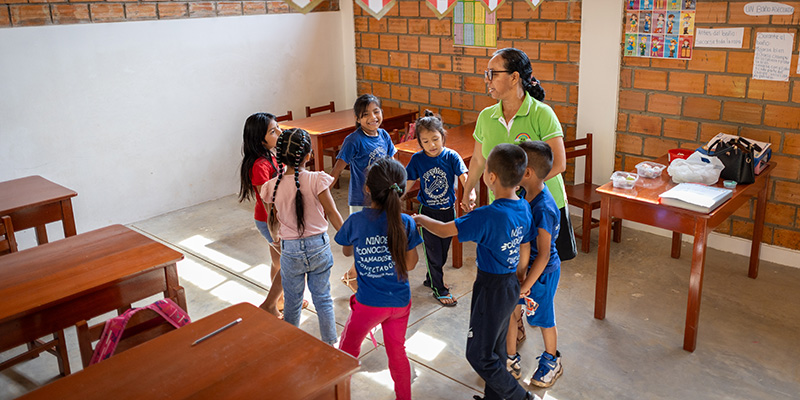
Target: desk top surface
{"x":647,"y":190}
{"x":30,"y":191}
{"x":340,"y":120}
{"x":35,"y":278}
{"x":459,"y":139}
{"x":261,"y":357}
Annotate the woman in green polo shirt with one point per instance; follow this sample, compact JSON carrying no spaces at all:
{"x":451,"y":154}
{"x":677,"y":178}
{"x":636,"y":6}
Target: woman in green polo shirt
{"x":519,"y":115}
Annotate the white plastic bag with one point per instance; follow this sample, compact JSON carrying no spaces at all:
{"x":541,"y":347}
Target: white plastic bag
{"x":698,"y":168}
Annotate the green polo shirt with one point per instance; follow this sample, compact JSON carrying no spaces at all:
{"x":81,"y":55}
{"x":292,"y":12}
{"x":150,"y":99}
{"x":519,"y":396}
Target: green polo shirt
{"x":534,"y":121}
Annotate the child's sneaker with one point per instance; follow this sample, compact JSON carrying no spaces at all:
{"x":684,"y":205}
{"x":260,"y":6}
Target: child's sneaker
{"x":512,"y":364}
{"x":549,"y":370}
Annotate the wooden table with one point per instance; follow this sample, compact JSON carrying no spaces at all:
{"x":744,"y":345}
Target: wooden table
{"x":260,"y":358}
{"x":641,"y":204}
{"x":328,"y":130}
{"x":50,"y":287}
{"x":460,"y":140}
{"x":34,"y":201}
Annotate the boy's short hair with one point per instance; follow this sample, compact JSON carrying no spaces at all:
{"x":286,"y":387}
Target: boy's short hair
{"x":540,"y":157}
{"x":508,"y":162}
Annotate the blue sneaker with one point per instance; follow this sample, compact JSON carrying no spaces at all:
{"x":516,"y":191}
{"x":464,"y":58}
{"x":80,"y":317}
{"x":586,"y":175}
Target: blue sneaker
{"x":512,"y":365}
{"x":549,"y":370}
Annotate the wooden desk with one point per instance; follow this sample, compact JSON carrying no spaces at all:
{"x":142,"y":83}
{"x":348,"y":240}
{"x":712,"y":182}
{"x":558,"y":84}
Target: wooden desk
{"x":53,"y":286}
{"x":460,"y":140}
{"x":260,"y":358}
{"x":641,"y":204}
{"x":34,"y":201}
{"x":329,"y":129}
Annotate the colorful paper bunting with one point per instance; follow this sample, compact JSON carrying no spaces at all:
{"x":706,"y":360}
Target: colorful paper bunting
{"x":442,"y":7}
{"x":492,"y":5}
{"x":376,"y":8}
{"x":303,"y":6}
{"x":534,"y":3}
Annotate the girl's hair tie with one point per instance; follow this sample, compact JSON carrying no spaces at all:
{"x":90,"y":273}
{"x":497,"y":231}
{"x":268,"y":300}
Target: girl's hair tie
{"x":396,"y":188}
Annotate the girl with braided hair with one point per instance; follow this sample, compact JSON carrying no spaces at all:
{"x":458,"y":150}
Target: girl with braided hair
{"x":383,"y":242}
{"x":298,"y":214}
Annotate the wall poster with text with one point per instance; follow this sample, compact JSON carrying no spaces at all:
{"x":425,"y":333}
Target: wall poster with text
{"x":659,"y":28}
{"x":473,"y":25}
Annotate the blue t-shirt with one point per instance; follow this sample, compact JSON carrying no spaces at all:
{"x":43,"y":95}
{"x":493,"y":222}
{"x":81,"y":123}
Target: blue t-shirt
{"x":436,"y":177}
{"x":378,"y":283}
{"x":498,"y":229}
{"x":545,"y":215}
{"x":360,"y":151}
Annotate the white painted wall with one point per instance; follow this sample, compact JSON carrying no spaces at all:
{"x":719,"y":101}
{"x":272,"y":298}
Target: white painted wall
{"x":142,"y":118}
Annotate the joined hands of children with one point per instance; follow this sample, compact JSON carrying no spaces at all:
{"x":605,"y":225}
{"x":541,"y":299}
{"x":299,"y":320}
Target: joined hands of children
{"x":468,"y":201}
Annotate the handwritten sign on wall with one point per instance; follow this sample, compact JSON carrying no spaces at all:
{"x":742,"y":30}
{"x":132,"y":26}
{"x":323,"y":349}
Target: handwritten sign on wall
{"x":730,"y":38}
{"x":773,"y":57}
{"x":768,"y":8}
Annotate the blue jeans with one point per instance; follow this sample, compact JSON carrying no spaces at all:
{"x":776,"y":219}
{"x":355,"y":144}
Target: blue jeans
{"x":312,"y":257}
{"x":263,"y":227}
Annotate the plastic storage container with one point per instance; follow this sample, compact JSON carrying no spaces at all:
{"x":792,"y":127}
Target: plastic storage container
{"x":624,"y":180}
{"x":679,"y":153}
{"x":649,"y":169}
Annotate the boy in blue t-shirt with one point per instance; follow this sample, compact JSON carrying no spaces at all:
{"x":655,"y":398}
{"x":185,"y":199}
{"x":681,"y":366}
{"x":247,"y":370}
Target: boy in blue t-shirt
{"x":503,"y":248}
{"x":540,"y":281}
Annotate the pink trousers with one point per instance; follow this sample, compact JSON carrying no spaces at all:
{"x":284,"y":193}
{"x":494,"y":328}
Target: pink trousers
{"x":394,"y":322}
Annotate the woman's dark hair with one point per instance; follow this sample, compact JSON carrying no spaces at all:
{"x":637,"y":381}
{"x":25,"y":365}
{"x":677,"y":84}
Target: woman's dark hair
{"x":386,"y":180}
{"x":361,"y":104}
{"x":430,"y":122}
{"x":255,"y":128}
{"x":293,"y":146}
{"x":517,"y":61}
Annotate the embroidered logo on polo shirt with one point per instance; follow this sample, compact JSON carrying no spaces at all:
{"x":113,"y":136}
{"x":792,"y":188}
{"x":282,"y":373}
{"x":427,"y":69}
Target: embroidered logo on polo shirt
{"x":522,"y":137}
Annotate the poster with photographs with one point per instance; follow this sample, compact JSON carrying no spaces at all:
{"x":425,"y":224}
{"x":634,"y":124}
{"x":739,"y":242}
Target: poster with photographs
{"x":659,"y":28}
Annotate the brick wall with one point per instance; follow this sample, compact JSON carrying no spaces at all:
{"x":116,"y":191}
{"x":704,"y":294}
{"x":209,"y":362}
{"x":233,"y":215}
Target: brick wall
{"x":666,"y":104}
{"x":407,"y":58}
{"x":15,"y":13}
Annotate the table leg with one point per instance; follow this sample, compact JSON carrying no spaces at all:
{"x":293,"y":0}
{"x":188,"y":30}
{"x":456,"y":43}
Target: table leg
{"x":319,"y":161}
{"x":68,"y":218}
{"x":695,"y":284}
{"x":601,"y":290}
{"x":758,"y":231}
{"x":41,"y":234}
{"x":174,"y":289}
{"x":457,"y":246}
{"x":676,"y":245}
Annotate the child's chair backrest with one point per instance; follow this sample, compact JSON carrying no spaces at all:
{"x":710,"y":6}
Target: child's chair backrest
{"x":8,"y":242}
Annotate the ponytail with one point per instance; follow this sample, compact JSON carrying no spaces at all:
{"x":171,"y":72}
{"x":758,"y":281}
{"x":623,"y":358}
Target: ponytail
{"x":534,"y":88}
{"x":386,"y":180}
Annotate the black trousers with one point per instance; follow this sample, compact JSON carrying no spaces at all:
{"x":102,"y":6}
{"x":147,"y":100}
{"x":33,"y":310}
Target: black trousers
{"x":493,"y":300}
{"x":436,"y":249}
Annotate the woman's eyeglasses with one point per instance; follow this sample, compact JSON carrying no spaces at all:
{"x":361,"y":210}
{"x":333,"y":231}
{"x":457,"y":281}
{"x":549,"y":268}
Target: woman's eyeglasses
{"x":489,"y":73}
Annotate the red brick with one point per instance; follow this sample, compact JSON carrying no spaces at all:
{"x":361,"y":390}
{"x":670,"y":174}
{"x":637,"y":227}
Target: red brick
{"x":439,"y":27}
{"x":740,"y":62}
{"x":409,"y":77}
{"x":379,"y":57}
{"x":738,"y":17}
{"x":768,"y":90}
{"x":787,"y":238}
{"x":408,"y":43}
{"x":687,"y":82}
{"x":522,"y":10}
{"x":254,"y":7}
{"x":429,"y":79}
{"x":699,"y":107}
{"x":71,"y":14}
{"x":626,"y":78}
{"x":382,"y":90}
{"x":451,"y":81}
{"x":440,"y":98}
{"x":747,"y":113}
{"x":112,"y":12}
{"x":398,"y":59}
{"x":464,"y":64}
{"x":566,"y":114}
{"x":482,"y":102}
{"x":408,"y":8}
{"x":544,"y":71}
{"x":396,"y":25}
{"x":788,"y":167}
{"x":553,"y":51}
{"x":708,"y":130}
{"x":710,"y":13}
{"x":30,"y":15}
{"x":707,"y":60}
{"x":541,"y":30}
{"x":791,"y":144}
{"x":419,"y":61}
{"x":418,"y":26}
{"x":363,"y":87}
{"x":448,"y":46}
{"x":5,"y":16}
{"x":462,"y":100}
{"x":787,"y":192}
{"x":400,"y":92}
{"x":566,"y":73}
{"x":474,"y":84}
{"x":513,"y":30}
{"x":368,"y":40}
{"x":556,"y":93}
{"x":573,"y":94}
{"x":726,"y":85}
{"x":429,"y":44}
{"x":760,"y":134}
{"x":553,"y":10}
{"x":568,"y":31}
{"x":419,"y":95}
{"x":629,"y":144}
{"x":361,"y":24}
{"x":575,"y":11}
{"x":649,"y":79}
{"x":452,"y":117}
{"x":782,"y":116}
{"x":680,"y":129}
{"x":574,"y":52}
{"x":372,"y":73}
{"x":388,"y":42}
{"x":744,"y":229}
{"x":668,"y":63}
{"x":503,"y":13}
{"x":441,"y":63}
{"x":631,"y":100}
{"x":635,"y":61}
{"x":664,"y":104}
{"x":378,"y":25}
{"x":796,"y":92}
{"x":196,"y":10}
{"x":223,"y":8}
{"x":657,"y":147}
{"x":646,"y":124}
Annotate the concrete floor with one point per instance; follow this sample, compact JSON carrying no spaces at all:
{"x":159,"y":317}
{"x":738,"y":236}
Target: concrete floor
{"x":748,"y":343}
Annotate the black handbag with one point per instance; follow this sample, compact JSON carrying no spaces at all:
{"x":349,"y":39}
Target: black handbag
{"x":738,"y":157}
{"x":565,"y":242}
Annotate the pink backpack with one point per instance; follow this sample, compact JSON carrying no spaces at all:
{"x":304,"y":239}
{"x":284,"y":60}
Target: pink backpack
{"x":112,"y":331}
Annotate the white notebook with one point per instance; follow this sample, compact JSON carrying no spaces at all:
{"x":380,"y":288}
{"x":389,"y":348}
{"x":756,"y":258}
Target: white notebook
{"x":696,"y":197}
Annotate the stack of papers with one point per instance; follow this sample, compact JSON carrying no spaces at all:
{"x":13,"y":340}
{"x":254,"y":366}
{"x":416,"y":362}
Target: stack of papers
{"x":696,"y":197}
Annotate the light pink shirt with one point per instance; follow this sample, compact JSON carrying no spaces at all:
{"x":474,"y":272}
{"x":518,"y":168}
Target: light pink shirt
{"x":312,"y":183}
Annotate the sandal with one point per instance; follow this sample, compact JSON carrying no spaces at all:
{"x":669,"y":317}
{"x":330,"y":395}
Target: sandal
{"x":446,"y":297}
{"x":280,"y":304}
{"x":351,"y":283}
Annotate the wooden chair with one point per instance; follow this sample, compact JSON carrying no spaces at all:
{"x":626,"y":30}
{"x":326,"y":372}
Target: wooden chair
{"x":143,"y":326}
{"x":332,"y":152}
{"x":286,"y":117}
{"x":584,"y":195}
{"x":316,"y":110}
{"x":8,"y":242}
